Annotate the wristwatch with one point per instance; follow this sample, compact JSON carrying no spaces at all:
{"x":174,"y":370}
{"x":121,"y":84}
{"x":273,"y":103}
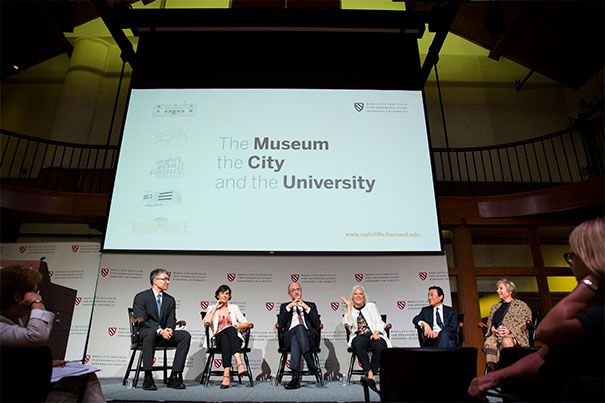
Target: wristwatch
{"x":590,"y":285}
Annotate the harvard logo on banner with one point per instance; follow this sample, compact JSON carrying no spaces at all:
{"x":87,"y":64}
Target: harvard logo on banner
{"x":204,"y":304}
{"x":104,"y":272}
{"x":230,"y":277}
{"x":422,"y":275}
{"x":218,"y":362}
{"x":295,"y":277}
{"x":112,"y":330}
{"x":334,"y":305}
{"x":169,"y":274}
{"x":22,"y":249}
{"x":74,"y":248}
{"x":400,"y":304}
{"x":50,"y":273}
{"x":270,"y":305}
{"x":78,"y":300}
{"x":288,"y":364}
{"x":359,"y":277}
{"x":86,"y":358}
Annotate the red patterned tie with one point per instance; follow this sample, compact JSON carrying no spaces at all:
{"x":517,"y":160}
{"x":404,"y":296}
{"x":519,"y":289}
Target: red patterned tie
{"x":300,"y":318}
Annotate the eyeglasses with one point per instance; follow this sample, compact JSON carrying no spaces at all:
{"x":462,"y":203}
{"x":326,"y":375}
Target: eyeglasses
{"x":162,"y":278}
{"x":569,"y":257}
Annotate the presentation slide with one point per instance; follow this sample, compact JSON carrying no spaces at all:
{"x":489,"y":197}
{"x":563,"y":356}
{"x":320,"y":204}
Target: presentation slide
{"x":274,"y":170}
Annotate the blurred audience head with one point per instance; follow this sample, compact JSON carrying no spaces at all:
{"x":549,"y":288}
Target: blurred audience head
{"x":15,"y":282}
{"x":587,"y":246}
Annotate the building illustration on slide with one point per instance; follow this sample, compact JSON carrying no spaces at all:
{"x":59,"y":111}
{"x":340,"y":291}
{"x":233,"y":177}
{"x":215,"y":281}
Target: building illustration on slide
{"x":165,"y":198}
{"x":175,"y":136}
{"x":159,"y":225}
{"x":182,"y":110}
{"x":171,"y":167}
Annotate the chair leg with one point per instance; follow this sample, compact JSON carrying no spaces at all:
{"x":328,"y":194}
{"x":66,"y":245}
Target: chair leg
{"x":165,"y":366}
{"x":129,"y":368}
{"x":208,"y":368}
{"x":353,"y":356}
{"x":281,"y":367}
{"x":247,"y":363}
{"x":319,"y":376}
{"x":136,"y":375}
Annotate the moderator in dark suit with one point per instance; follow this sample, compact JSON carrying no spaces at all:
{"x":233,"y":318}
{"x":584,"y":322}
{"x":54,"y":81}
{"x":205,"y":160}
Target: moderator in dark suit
{"x":145,"y":306}
{"x":300,"y":338}
{"x":448,"y":333}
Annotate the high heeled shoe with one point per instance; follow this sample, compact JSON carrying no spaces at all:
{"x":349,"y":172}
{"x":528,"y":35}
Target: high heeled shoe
{"x":244,"y":373}
{"x":223,"y":386}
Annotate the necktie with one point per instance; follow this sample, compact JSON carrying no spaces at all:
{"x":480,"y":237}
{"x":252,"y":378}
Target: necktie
{"x":439,"y":321}
{"x":300,"y":318}
{"x":159,"y":304}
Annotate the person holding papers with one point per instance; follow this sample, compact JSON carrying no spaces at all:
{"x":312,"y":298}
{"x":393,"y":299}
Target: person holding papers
{"x":26,"y":324}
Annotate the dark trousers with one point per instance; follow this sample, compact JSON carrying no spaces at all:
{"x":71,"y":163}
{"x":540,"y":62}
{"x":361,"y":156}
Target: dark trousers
{"x":445,"y":339}
{"x":229,"y":343}
{"x":298,"y":340}
{"x":180,"y":338}
{"x":360,"y":345}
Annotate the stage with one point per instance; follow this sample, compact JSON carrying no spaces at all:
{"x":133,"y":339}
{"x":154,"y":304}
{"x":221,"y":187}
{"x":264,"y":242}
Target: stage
{"x":261,"y":392}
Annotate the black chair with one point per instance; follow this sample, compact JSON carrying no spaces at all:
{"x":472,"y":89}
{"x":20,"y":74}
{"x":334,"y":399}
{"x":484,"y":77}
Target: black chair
{"x":284,"y":352}
{"x":352,"y":371}
{"x":211,"y":350}
{"x":422,"y":339}
{"x":516,"y":392}
{"x":25,"y":374}
{"x":404,"y":374}
{"x":136,"y":344}
{"x":531,"y":331}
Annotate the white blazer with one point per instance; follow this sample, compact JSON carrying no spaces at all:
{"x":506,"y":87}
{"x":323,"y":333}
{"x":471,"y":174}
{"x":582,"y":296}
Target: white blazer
{"x":372,"y":316}
{"x":236,"y":318}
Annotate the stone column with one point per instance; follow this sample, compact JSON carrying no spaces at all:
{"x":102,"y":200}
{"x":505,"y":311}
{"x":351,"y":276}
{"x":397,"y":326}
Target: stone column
{"x":76,"y":108}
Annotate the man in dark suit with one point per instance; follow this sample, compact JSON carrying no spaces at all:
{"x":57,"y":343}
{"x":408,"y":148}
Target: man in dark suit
{"x":439,"y":322}
{"x":157,"y":309}
{"x":299,"y":320}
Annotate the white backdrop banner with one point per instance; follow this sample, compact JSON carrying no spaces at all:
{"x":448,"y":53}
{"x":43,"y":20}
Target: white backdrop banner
{"x":70,"y":264}
{"x":398,"y":285}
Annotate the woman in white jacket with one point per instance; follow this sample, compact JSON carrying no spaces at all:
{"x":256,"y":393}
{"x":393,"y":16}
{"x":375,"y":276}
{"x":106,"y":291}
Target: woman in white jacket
{"x":225,"y":321}
{"x":367,"y":330}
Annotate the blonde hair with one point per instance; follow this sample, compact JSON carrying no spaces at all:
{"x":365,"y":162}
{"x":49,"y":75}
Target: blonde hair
{"x":510,"y":286}
{"x":587,"y":241}
{"x":365,"y":296}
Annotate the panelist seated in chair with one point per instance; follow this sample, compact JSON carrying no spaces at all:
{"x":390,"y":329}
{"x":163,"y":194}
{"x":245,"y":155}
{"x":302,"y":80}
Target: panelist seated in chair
{"x":225,"y":322}
{"x":570,"y":366}
{"x":158,"y":311}
{"x":439,"y":322}
{"x":506,"y":324}
{"x":367,"y":330}
{"x":299,"y":320}
{"x":26,"y":324}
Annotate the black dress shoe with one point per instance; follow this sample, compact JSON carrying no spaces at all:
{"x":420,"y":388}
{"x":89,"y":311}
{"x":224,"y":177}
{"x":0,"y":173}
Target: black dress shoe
{"x":149,"y":384}
{"x":225,"y":386}
{"x":293,"y":384}
{"x":175,"y":382}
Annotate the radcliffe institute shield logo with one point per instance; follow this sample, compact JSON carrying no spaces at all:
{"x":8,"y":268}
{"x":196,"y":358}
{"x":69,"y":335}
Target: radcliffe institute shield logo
{"x":204,"y":304}
{"x":112,"y":330}
{"x":334,"y":305}
{"x":104,"y":272}
{"x":400,"y":304}
{"x":230,"y":277}
{"x":358,"y":106}
{"x":422,"y":275}
{"x":295,"y":277}
{"x":270,"y":305}
{"x":358,"y":277}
